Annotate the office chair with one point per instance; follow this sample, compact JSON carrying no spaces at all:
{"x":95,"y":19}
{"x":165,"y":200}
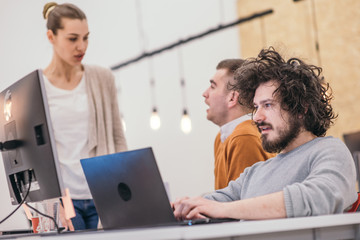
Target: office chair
{"x":356,"y":206}
{"x":352,"y":141}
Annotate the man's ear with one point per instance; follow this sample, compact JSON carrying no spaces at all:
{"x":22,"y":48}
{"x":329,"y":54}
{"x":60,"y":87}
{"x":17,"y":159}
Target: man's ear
{"x":233,"y":100}
{"x":301,"y":116}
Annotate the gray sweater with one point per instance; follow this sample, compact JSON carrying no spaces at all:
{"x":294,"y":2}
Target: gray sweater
{"x":317,"y":178}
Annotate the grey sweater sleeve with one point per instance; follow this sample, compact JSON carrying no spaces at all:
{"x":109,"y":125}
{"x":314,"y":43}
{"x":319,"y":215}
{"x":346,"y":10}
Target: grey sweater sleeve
{"x":231,"y":193}
{"x":329,"y":188}
{"x":317,"y":178}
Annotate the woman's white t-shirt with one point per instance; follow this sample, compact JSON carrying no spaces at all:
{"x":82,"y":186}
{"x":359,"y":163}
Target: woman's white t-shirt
{"x":69,"y":111}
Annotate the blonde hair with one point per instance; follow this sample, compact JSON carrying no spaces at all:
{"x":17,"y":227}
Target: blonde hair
{"x":54,"y":13}
{"x":48,"y":8}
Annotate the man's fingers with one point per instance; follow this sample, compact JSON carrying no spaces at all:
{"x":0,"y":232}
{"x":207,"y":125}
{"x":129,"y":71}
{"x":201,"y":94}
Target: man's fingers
{"x":189,"y":208}
{"x":195,"y":213}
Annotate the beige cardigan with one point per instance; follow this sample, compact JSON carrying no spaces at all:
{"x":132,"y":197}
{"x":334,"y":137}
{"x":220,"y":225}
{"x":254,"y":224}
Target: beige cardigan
{"x":106,"y":134}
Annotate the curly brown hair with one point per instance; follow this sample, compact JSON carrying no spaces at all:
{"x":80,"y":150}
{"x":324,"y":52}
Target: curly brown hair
{"x":302,"y":90}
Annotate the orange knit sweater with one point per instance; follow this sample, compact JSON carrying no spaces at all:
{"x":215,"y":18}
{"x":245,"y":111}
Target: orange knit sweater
{"x":239,"y":151}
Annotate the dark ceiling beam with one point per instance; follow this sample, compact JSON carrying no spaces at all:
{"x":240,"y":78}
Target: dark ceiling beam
{"x":191,"y":38}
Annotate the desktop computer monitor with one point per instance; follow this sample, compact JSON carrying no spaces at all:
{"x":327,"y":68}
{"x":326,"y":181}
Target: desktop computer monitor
{"x":27,"y":142}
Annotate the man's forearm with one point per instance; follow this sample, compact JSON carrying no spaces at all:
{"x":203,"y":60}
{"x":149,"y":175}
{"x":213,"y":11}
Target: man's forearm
{"x":269,"y":206}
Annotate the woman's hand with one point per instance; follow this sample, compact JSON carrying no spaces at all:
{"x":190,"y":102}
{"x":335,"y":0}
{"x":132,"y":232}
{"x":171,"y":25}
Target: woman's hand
{"x":66,"y":223}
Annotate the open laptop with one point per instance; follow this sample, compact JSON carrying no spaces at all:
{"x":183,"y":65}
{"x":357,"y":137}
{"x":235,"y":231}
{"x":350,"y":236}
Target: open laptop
{"x":128,"y":191}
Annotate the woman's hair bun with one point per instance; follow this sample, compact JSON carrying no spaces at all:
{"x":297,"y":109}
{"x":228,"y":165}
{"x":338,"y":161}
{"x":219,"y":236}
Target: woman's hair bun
{"x":48,"y":8}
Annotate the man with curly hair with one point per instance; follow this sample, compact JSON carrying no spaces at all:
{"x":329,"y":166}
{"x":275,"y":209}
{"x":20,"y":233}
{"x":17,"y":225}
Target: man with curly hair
{"x":312,"y":174}
{"x":237,"y":145}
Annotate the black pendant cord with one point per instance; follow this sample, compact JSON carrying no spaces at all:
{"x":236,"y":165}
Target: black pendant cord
{"x":220,"y":27}
{"x":316,"y":33}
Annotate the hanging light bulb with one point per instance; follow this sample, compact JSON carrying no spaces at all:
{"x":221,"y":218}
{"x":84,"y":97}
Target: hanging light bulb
{"x":185,"y":122}
{"x":123,"y":124}
{"x":155,"y":120}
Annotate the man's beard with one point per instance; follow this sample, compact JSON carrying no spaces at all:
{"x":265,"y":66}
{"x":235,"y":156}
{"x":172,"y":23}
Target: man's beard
{"x":286,"y":136}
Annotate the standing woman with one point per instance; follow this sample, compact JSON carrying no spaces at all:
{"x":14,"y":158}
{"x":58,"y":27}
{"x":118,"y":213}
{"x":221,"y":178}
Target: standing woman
{"x":83,"y":106}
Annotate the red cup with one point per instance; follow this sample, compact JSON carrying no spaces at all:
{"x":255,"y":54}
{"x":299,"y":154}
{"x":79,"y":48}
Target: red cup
{"x":35,"y":223}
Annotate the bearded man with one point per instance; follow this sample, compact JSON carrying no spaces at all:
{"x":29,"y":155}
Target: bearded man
{"x":311,"y":175}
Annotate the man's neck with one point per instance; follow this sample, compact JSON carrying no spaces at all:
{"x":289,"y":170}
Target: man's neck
{"x":232,"y":115}
{"x":303,"y":137}
{"x":228,"y":128}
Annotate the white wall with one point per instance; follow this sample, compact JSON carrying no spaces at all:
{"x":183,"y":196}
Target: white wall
{"x":185,"y":161}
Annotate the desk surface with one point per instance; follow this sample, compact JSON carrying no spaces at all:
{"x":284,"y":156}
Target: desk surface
{"x":341,"y":226}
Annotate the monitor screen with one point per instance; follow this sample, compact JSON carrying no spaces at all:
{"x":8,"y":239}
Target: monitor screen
{"x":27,"y":142}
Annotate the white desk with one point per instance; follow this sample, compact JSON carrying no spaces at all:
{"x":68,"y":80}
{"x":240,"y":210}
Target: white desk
{"x":342,"y":226}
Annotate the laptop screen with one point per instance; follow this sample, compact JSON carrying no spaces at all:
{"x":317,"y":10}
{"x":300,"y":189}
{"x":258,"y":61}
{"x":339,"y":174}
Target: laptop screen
{"x":128,"y":190}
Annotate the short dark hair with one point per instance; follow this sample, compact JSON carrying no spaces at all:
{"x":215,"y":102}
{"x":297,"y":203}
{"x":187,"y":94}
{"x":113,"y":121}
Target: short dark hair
{"x":54,"y":13}
{"x":230,"y":64}
{"x":302,"y":90}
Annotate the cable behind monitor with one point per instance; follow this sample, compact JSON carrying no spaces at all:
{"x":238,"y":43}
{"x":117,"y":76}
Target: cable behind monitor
{"x":23,"y":200}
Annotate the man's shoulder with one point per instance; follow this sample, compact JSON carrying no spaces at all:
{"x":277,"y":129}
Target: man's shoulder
{"x":245,"y":133}
{"x":325,"y":146}
{"x":247,"y":127}
{"x":327,"y":141}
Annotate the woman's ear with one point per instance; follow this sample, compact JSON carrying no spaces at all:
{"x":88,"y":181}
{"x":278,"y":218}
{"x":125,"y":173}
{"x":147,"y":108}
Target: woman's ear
{"x":50,"y":35}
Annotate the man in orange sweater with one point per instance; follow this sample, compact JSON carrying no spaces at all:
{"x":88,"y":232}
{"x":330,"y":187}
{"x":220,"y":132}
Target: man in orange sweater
{"x":238,"y":143}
